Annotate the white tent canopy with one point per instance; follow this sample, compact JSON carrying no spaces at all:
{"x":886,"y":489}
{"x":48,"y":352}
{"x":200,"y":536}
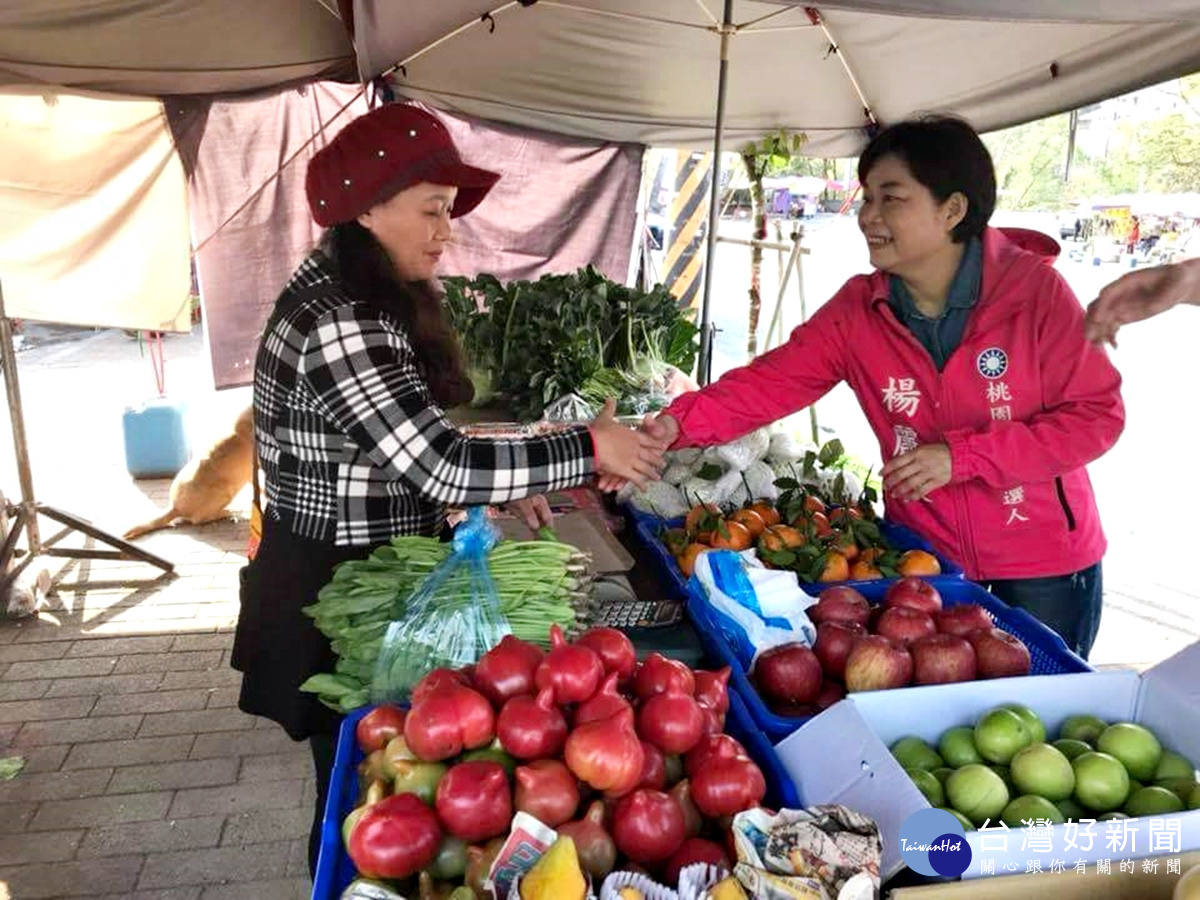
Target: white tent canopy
{"x":677,"y":73}
{"x":162,"y":47}
{"x":627,"y":70}
{"x":632,"y":70}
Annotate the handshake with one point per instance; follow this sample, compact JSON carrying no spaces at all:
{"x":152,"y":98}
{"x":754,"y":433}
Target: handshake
{"x":626,"y":454}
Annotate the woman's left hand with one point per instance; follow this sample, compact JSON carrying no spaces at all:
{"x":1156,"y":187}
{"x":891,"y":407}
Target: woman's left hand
{"x":913,"y":475}
{"x":533,"y":511}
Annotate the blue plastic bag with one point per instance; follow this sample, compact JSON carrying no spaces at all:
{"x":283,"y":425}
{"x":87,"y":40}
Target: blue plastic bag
{"x":449,"y":620}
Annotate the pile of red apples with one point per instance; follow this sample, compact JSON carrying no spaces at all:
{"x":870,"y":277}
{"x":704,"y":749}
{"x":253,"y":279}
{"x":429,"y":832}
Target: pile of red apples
{"x":909,"y":639}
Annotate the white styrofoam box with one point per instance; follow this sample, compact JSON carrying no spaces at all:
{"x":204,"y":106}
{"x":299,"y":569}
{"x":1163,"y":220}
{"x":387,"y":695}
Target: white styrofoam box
{"x":841,"y":755}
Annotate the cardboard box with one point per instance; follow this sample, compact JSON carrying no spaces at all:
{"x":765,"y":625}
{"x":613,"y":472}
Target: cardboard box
{"x":842,"y":756}
{"x":1069,"y":885}
{"x":584,"y":529}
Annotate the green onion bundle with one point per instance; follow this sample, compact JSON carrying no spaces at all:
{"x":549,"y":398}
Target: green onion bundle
{"x":539,"y":584}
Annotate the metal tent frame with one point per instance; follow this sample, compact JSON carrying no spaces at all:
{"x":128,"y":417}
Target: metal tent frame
{"x":25,"y":514}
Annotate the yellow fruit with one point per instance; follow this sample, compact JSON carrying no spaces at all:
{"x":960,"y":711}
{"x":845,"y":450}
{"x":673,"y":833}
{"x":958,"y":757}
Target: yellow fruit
{"x":728,"y":888}
{"x":630,"y":893}
{"x":556,"y":875}
{"x":1188,"y":887}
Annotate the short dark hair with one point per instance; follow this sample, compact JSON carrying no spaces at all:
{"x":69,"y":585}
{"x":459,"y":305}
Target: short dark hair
{"x":945,"y":154}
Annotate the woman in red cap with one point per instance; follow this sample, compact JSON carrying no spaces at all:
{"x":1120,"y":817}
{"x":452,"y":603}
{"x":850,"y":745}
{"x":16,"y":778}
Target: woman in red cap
{"x":356,"y":367}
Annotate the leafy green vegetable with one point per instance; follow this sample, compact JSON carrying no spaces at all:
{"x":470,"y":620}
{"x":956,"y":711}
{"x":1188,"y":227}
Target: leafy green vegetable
{"x":574,"y":333}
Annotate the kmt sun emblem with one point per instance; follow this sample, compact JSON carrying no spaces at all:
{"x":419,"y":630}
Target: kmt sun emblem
{"x":992,"y":362}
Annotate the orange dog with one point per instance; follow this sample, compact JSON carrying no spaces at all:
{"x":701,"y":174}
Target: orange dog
{"x":204,"y":487}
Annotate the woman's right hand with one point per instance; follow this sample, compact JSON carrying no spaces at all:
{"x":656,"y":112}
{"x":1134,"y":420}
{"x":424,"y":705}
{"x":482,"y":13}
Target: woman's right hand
{"x":662,"y":429}
{"x":623,"y":453}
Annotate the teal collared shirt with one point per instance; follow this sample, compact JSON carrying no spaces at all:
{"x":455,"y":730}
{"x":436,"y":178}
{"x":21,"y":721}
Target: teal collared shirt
{"x":942,"y":335}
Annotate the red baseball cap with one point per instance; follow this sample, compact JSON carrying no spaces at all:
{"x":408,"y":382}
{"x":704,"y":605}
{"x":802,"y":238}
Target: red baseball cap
{"x":377,"y":155}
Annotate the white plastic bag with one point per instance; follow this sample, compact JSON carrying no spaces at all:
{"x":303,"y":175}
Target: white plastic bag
{"x":698,"y":490}
{"x":737,"y":455}
{"x":733,"y":488}
{"x":785,"y":447}
{"x":753,"y":607}
{"x":676,"y":473}
{"x":686,"y":456}
{"x":761,"y":479}
{"x":660,"y":499}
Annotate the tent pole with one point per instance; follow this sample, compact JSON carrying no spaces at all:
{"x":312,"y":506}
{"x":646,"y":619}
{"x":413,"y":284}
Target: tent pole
{"x":28,"y":510}
{"x":704,"y":370}
{"x":17,"y":420}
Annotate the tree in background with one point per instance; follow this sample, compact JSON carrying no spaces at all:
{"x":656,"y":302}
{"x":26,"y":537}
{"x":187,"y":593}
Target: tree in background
{"x":1171,"y":154}
{"x":1159,"y":154}
{"x":761,"y":158}
{"x":1029,"y":162}
{"x":816,"y":167}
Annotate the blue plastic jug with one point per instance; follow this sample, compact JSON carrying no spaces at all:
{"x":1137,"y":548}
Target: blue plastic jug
{"x":156,"y":440}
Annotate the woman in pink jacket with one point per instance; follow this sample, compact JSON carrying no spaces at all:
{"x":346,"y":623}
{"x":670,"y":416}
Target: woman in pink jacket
{"x":966,"y":350}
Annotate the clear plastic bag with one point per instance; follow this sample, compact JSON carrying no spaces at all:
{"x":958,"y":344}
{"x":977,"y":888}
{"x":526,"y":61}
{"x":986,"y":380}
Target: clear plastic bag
{"x":569,"y":408}
{"x":449,"y":620}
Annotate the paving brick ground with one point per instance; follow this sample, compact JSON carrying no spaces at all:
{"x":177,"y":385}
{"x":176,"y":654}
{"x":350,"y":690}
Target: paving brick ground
{"x":142,"y":777}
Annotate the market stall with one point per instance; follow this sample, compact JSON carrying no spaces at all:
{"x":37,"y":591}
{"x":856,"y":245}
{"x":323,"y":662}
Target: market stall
{"x":803,"y":601}
{"x":852,"y":698}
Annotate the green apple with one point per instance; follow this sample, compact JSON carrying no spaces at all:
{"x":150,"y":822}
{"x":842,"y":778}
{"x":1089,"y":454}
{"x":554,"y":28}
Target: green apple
{"x":1101,"y":781}
{"x":914,"y":753}
{"x":957,"y":747}
{"x":1032,"y":721}
{"x":928,"y":785}
{"x":1030,"y":808}
{"x":977,"y":792}
{"x":1043,"y":770}
{"x":1082,"y":728}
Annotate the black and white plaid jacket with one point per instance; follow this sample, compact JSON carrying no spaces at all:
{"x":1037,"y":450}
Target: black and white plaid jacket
{"x":353,"y":447}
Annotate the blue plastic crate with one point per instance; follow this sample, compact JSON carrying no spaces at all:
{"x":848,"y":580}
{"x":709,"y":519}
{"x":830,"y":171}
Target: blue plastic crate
{"x":335,"y":871}
{"x":898,"y":536}
{"x":1048,"y":652}
{"x":781,"y":790}
{"x":635,"y":515}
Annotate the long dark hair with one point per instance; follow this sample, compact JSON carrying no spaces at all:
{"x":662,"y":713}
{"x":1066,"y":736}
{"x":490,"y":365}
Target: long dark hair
{"x":367,"y":273}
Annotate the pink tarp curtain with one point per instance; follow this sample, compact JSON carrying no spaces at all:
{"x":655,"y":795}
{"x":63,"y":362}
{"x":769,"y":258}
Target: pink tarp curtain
{"x":251,"y":226}
{"x":561,"y":204}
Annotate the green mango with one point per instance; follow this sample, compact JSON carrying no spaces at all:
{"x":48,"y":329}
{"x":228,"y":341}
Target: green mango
{"x":493,"y":753}
{"x":420,"y":778}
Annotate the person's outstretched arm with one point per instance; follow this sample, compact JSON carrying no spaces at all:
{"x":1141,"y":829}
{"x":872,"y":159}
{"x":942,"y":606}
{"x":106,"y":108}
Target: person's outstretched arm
{"x":1141,"y":295}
